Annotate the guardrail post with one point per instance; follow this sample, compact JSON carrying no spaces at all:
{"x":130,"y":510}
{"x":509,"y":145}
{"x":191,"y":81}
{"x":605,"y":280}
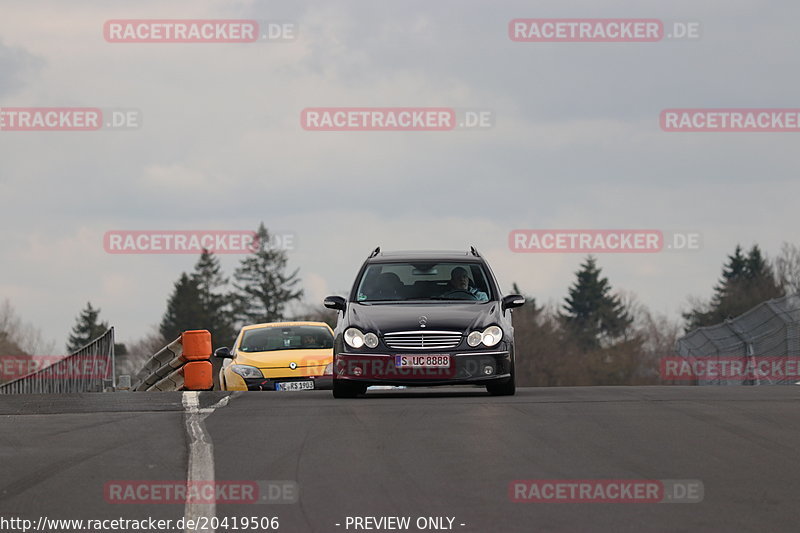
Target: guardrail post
{"x":181,"y":365}
{"x":197,"y":374}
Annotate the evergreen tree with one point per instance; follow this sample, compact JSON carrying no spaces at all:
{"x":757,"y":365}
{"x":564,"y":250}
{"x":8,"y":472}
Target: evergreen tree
{"x":184,"y":309}
{"x":262,"y":288}
{"x":707,"y":313}
{"x":747,"y":280}
{"x":734,"y":273}
{"x":757,"y":268}
{"x":214,"y":306}
{"x":87,"y":328}
{"x":591,"y":313}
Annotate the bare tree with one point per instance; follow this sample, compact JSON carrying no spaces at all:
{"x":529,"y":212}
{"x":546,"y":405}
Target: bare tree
{"x":140,"y":351}
{"x":314,"y":313}
{"x":21,"y":338}
{"x":787,"y":267}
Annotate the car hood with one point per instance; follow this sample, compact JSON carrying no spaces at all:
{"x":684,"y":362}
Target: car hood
{"x":386,"y":318}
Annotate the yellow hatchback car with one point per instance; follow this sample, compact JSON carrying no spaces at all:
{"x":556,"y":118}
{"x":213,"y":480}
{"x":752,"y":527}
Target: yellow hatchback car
{"x":280,"y":356}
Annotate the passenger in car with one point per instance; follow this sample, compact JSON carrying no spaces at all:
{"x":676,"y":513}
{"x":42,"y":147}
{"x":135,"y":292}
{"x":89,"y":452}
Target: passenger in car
{"x":388,"y":287}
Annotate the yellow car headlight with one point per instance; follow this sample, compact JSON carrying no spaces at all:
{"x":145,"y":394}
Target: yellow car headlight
{"x":246,"y":371}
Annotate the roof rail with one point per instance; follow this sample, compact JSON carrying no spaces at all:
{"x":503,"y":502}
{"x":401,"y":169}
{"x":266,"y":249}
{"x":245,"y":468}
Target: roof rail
{"x":375,"y":252}
{"x":474,"y":251}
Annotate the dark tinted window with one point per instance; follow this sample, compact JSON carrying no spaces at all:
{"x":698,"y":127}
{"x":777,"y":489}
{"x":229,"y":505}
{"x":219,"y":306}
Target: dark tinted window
{"x":423,"y":281}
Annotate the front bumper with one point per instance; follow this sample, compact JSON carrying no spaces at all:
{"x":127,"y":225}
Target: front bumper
{"x":269,"y":384}
{"x":478,"y":367}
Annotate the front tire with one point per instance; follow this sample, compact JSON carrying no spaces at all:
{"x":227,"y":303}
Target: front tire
{"x":344,"y":389}
{"x":506,"y":387}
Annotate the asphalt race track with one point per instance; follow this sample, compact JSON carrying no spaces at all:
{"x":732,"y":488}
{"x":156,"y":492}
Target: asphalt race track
{"x":449,"y":453}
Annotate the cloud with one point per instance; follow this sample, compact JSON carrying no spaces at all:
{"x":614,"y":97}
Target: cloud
{"x":575,"y":144}
{"x":18,"y":67}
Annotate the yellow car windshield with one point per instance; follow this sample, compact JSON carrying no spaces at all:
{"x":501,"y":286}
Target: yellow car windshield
{"x":270,"y":339}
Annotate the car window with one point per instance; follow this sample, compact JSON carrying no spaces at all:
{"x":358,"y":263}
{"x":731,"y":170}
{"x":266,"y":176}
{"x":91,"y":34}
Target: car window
{"x":423,"y":281}
{"x":268,"y":339}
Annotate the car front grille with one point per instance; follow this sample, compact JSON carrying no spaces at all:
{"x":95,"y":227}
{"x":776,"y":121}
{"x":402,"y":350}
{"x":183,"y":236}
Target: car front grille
{"x":422,"y":340}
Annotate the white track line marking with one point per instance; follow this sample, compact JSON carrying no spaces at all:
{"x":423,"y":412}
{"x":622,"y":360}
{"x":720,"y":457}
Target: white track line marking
{"x":201,"y":455}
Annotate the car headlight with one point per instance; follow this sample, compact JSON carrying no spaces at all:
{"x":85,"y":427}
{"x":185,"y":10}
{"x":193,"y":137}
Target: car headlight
{"x":492,"y":335}
{"x":354,"y":337}
{"x":328,"y":370}
{"x":247,"y":371}
{"x":489,"y":337}
{"x":474,"y":338}
{"x":371,"y":340}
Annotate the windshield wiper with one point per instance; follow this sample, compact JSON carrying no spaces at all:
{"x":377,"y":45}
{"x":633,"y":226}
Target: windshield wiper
{"x":452,"y":299}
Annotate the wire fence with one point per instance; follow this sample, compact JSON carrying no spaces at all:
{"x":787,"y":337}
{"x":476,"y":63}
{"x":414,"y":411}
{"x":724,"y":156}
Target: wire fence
{"x":89,"y":369}
{"x":766,"y":336}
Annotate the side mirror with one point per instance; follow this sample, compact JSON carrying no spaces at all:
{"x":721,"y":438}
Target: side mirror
{"x":335,"y":302}
{"x":513,"y":300}
{"x":223,"y":353}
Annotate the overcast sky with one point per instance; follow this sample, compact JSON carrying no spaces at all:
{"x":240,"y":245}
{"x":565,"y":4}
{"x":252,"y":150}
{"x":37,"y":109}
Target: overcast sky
{"x":576,"y":143}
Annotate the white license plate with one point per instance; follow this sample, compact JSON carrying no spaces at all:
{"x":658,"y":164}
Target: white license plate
{"x":294,"y":385}
{"x":422,"y":361}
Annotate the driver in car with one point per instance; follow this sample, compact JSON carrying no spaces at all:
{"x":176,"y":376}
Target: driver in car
{"x":459,"y":284}
{"x":309,"y":341}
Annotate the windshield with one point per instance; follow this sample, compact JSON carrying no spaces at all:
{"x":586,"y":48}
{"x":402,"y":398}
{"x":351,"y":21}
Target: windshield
{"x":269,"y":339}
{"x":391,"y":282}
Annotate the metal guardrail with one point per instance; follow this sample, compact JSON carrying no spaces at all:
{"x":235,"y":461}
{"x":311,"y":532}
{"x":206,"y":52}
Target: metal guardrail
{"x":768,"y":331}
{"x":182,"y":364}
{"x":71,"y":374}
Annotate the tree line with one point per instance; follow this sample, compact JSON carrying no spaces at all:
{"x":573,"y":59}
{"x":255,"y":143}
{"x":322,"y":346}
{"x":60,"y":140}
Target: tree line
{"x":597,"y":335}
{"x":261,"y":290}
